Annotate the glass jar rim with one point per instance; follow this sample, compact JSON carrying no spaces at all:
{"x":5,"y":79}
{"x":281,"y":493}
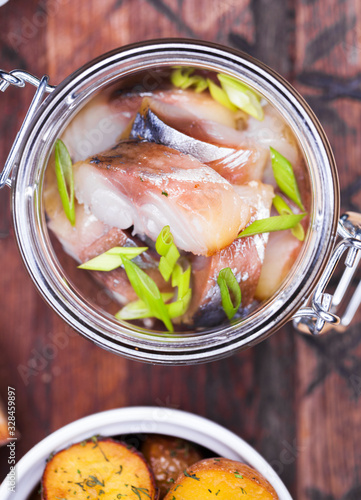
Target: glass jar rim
{"x":125,"y":339}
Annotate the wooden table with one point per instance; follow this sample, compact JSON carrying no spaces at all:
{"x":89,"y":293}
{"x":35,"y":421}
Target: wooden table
{"x":295,"y":399}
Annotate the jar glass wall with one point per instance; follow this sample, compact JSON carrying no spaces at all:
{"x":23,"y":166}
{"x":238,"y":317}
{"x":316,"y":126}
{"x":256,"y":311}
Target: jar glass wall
{"x":125,"y":65}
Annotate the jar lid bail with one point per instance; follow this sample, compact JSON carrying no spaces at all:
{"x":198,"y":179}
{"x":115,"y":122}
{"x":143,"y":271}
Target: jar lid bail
{"x":18,"y":78}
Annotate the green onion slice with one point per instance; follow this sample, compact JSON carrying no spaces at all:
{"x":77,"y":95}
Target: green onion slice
{"x":148,"y":292}
{"x":220,"y":95}
{"x":242,"y":96}
{"x":183,"y":78}
{"x":139,"y":309}
{"x":283,"y":209}
{"x":168,"y":251}
{"x":65,"y":179}
{"x":180,"y":279}
{"x":230,"y":292}
{"x":180,"y":306}
{"x":285,"y":177}
{"x":111,"y":259}
{"x":272,"y":224}
{"x":180,"y":76}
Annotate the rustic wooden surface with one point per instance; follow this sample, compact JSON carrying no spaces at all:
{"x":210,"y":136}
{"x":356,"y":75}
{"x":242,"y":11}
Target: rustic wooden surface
{"x":296,"y":399}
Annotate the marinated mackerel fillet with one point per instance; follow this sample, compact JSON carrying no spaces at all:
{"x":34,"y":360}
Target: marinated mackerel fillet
{"x":148,"y":186}
{"x":91,"y":237}
{"x":244,"y":256}
{"x":223,"y":148}
{"x":282,"y":251}
{"x":99,"y":124}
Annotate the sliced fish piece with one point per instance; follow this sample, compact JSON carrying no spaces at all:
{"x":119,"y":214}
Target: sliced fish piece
{"x":244,"y":256}
{"x":219,"y":146}
{"x":90,"y":237}
{"x":87,"y":229}
{"x":99,"y":124}
{"x":148,"y":186}
{"x":281,"y":253}
{"x":200,"y":104}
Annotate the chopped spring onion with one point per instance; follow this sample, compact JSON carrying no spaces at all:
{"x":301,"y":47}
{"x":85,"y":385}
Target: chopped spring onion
{"x":271,"y":224}
{"x":111,"y":259}
{"x":180,"y":306}
{"x":220,"y":95}
{"x":65,"y":179}
{"x":285,"y":177}
{"x":230,"y":292}
{"x":169,"y":252}
{"x":283,"y":209}
{"x":232,"y":94}
{"x":180,"y":279}
{"x":242,"y":96}
{"x":138,"y":309}
{"x":183,"y":78}
{"x":148,"y":292}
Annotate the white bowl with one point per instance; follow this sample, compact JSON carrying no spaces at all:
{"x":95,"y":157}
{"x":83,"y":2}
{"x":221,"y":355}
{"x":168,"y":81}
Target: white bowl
{"x":138,"y":420}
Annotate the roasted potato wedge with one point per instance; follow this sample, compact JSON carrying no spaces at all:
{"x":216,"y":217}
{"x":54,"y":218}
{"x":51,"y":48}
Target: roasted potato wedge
{"x":168,"y":456}
{"x":221,"y":479}
{"x":98,"y":468}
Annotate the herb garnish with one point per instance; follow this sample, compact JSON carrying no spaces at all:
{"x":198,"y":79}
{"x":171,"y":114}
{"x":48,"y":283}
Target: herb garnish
{"x":138,"y":492}
{"x":65,"y":179}
{"x":94,"y":481}
{"x":230,"y":292}
{"x":168,"y":251}
{"x":112,"y":258}
{"x":192,"y":475}
{"x":241,"y":96}
{"x":168,"y":267}
{"x":182,"y":77}
{"x":272,"y":224}
{"x":283,"y":209}
{"x":285,"y":177}
{"x":232,"y":93}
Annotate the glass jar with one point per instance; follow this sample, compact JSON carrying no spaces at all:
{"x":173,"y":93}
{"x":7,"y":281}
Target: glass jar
{"x":306,"y":282}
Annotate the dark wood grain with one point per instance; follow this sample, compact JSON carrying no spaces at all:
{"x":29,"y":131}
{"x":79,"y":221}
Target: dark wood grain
{"x":296,"y":399}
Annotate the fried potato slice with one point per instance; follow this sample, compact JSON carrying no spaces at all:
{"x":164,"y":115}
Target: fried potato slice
{"x":168,"y":456}
{"x":98,"y":468}
{"x":221,"y":479}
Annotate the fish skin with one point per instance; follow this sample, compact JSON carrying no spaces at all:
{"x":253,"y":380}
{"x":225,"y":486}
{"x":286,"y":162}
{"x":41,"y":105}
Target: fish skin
{"x":152,"y":186}
{"x":152,"y":129}
{"x":238,"y":163}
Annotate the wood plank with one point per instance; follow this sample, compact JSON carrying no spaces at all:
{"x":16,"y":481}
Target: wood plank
{"x":296,"y":400}
{"x":328,"y":61}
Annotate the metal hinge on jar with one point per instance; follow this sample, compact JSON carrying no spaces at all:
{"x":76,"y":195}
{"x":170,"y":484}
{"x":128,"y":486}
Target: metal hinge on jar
{"x":19,"y":78}
{"x":322,"y":313}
